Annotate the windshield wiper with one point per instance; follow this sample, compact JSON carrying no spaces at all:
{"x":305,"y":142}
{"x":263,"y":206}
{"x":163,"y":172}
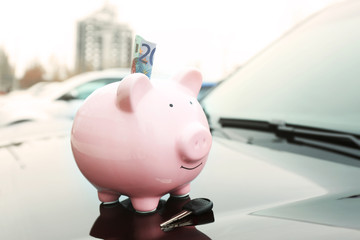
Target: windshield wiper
{"x":289,"y":131}
{"x":246,"y":124}
{"x":344,"y":139}
{"x":300,"y":134}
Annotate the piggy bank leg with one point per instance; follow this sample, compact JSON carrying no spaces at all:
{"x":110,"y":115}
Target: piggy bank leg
{"x":108,"y":197}
{"x":182,"y":191}
{"x":145,"y":205}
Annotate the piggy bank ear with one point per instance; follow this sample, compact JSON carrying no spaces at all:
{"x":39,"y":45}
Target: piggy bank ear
{"x":131,"y":90}
{"x":191,"y":79}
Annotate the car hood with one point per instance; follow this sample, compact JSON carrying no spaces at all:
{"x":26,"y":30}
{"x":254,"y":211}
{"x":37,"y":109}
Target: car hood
{"x":264,"y":193}
{"x":257,"y":193}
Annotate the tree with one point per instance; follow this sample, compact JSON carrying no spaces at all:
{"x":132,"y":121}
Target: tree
{"x":6,"y":73}
{"x":34,"y":74}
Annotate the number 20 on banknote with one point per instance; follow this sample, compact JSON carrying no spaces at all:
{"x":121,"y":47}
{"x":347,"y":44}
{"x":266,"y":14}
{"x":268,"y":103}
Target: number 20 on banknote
{"x":143,"y":56}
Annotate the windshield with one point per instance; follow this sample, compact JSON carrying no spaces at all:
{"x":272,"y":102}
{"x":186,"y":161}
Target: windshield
{"x":310,"y":77}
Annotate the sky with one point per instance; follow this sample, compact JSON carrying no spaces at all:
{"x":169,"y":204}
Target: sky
{"x":215,"y":36}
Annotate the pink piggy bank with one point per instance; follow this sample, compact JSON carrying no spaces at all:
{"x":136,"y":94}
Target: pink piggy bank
{"x":142,"y":138}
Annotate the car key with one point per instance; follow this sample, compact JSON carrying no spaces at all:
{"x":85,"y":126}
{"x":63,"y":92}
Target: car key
{"x":193,"y":221}
{"x":171,"y":226}
{"x":195,"y":206}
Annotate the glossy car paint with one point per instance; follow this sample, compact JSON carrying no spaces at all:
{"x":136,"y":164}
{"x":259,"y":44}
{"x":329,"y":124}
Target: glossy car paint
{"x":44,"y":195}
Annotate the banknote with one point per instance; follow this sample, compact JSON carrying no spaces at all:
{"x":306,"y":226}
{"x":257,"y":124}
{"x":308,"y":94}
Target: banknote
{"x":143,"y":57}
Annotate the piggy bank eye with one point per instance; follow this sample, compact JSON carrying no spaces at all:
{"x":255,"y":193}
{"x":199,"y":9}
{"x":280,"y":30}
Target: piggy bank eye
{"x":191,"y":102}
{"x":171,"y":105}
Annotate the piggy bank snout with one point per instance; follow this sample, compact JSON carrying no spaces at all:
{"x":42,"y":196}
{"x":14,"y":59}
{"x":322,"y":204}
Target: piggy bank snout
{"x":194,"y":142}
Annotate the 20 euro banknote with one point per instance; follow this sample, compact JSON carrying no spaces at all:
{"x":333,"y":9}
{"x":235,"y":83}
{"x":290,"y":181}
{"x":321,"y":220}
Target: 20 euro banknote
{"x":143,"y":58}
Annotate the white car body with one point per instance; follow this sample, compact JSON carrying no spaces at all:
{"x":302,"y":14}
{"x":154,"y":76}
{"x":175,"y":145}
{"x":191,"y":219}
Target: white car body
{"x":48,"y":100}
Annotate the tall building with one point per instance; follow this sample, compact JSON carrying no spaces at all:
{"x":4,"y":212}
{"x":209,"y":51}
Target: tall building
{"x":102,"y":42}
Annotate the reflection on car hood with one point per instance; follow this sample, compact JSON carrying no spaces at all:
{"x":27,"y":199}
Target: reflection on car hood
{"x":254,"y":189}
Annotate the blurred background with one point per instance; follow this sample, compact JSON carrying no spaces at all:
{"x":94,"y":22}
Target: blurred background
{"x":54,"y":54}
{"x":51,"y":41}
